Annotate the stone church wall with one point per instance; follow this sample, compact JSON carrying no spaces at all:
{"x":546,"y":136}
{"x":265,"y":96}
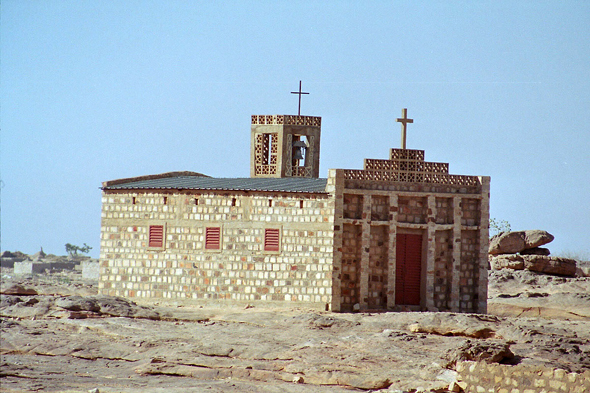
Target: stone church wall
{"x":240,"y":270}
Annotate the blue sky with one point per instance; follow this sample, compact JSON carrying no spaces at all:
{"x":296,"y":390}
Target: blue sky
{"x":100,"y":90}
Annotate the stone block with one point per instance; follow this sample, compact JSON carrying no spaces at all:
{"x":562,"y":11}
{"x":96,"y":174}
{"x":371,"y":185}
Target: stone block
{"x":23,"y":268}
{"x":90,"y":269}
{"x":539,"y":383}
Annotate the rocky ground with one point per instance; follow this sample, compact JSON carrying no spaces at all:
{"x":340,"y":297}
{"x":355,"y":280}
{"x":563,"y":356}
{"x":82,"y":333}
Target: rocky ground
{"x":57,"y":334}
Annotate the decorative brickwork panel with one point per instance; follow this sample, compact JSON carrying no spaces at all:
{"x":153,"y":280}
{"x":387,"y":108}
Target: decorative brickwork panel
{"x":408,"y":269}
{"x":410,"y":187}
{"x":379,"y":208}
{"x":265,"y":151}
{"x":351,"y":263}
{"x":470,"y":212}
{"x":468,"y":277}
{"x":414,"y":177}
{"x":406,"y":165}
{"x":406,"y":154}
{"x":443,"y":269}
{"x":444,"y":211}
{"x":412,"y":210}
{"x":378,"y":267}
{"x":353,"y":206}
{"x":287,"y":120}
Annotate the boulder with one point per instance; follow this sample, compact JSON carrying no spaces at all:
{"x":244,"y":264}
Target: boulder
{"x":514,"y":242}
{"x":536,"y":238}
{"x":507,"y":243}
{"x":18,"y":290}
{"x":488,"y":351}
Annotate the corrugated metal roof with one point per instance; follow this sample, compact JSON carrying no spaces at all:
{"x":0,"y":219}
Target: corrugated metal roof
{"x":287,"y":184}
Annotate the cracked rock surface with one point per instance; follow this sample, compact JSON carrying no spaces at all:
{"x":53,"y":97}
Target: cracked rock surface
{"x":62,"y":336}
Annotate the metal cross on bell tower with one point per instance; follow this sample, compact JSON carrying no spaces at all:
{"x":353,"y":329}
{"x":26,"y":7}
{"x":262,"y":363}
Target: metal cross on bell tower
{"x":300,"y":93}
{"x":404,"y":120}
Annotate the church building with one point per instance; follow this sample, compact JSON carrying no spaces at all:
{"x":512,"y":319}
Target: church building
{"x":400,"y":234}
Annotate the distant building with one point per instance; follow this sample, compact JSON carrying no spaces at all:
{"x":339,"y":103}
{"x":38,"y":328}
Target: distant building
{"x":400,"y":234}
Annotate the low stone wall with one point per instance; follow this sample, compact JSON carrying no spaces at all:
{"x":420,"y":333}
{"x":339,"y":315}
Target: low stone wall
{"x":31,"y":267}
{"x":8,"y":262}
{"x":499,"y":378}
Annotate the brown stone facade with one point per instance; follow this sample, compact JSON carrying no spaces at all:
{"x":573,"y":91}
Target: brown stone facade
{"x":447,"y":215}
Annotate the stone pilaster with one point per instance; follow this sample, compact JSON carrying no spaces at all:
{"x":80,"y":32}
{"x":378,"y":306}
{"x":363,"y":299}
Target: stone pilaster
{"x":484,"y":233}
{"x":456,"y":273}
{"x":335,"y":186}
{"x":365,"y":247}
{"x":430,"y":253}
{"x":392,"y":251}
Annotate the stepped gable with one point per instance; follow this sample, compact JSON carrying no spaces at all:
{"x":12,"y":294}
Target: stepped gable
{"x":406,"y":165}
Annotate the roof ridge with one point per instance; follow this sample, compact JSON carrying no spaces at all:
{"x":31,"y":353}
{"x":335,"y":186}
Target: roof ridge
{"x":152,"y":177}
{"x":299,"y":184}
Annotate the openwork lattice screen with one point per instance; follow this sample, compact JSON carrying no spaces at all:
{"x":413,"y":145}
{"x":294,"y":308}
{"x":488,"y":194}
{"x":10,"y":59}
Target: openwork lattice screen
{"x":266,"y":151}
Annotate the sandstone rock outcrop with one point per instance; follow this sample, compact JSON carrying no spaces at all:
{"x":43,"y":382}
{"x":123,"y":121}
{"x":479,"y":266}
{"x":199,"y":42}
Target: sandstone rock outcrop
{"x":520,"y":251}
{"x":515,"y":242}
{"x":57,"y":327}
{"x":537,"y":263}
{"x":468,"y":325}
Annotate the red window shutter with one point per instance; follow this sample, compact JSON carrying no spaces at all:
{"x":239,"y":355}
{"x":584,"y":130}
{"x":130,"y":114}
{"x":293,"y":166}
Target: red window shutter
{"x":271,"y":239}
{"x":212,"y":238}
{"x":156,"y":236}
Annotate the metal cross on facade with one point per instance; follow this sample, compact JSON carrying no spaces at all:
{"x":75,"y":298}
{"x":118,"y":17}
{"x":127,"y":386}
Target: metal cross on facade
{"x":404,"y":120}
{"x":300,"y":93}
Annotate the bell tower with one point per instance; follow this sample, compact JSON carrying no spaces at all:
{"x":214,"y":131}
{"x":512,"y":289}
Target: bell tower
{"x":285,"y":146}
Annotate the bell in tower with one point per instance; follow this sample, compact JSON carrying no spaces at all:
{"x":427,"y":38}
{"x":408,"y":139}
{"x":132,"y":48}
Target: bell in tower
{"x":298,"y":152}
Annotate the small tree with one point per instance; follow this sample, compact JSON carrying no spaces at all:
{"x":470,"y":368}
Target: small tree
{"x":498,"y":226}
{"x":73,"y":250}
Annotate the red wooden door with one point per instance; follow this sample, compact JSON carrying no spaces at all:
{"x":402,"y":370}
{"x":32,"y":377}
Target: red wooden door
{"x":408,"y":269}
